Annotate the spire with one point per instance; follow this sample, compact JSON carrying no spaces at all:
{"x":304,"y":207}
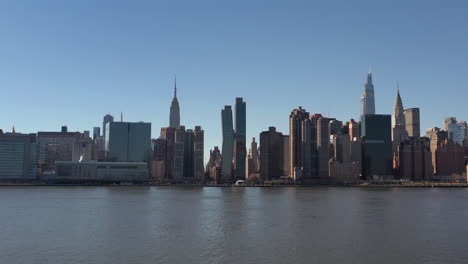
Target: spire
{"x":13,"y":130}
{"x":175,"y":86}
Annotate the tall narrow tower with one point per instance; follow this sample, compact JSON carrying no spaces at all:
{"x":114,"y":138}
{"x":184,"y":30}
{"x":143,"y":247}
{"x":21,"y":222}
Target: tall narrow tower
{"x":367,"y":99}
{"x":398,"y":123}
{"x":174,"y":116}
{"x":240,"y":151}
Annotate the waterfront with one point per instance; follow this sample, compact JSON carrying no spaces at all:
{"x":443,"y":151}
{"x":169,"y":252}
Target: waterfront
{"x":233,"y":225}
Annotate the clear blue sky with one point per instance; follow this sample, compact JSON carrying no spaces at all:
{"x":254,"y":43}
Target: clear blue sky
{"x":71,"y":62}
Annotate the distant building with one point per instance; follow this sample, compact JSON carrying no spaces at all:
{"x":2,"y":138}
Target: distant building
{"x":128,"y":142}
{"x":300,"y":144}
{"x":159,"y":163}
{"x":399,"y":132}
{"x":354,"y":130}
{"x":103,"y":171}
{"x":240,"y":151}
{"x":213,"y":167}
{"x":457,"y":131}
{"x":344,"y":167}
{"x":323,"y":146}
{"x":188,"y":158}
{"x":368,"y":99}
{"x":286,"y":156}
{"x":107,"y":118}
{"x":271,"y":154}
{"x":447,"y":156}
{"x":168,"y":134}
{"x":96,"y":132}
{"x":228,"y":144}
{"x":412,"y":118}
{"x":252,"y":162}
{"x":18,"y":156}
{"x":174,"y":115}
{"x":413,"y":159}
{"x":62,"y":146}
{"x":377,"y":146}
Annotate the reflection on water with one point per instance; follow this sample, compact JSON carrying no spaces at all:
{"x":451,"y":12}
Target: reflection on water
{"x":232,"y":225}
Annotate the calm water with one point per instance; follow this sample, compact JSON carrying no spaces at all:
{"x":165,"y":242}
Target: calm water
{"x":232,"y":225}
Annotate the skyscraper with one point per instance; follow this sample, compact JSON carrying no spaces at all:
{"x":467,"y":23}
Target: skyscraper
{"x":18,"y":156}
{"x":188,"y":157}
{"x":413,"y":127}
{"x":367,"y":99}
{"x":377,"y":146}
{"x":107,"y":118}
{"x":96,"y":132}
{"x":240,"y":151}
{"x":128,"y":142}
{"x":398,"y":123}
{"x":228,"y":142}
{"x":174,"y":115}
{"x":298,"y":142}
{"x":271,"y":154}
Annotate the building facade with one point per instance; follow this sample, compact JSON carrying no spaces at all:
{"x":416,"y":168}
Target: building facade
{"x":240,"y":151}
{"x":377,"y":146}
{"x":412,"y":119}
{"x":128,"y":142}
{"x":271,"y":154}
{"x":228,"y":144}
{"x":174,"y":114}
{"x":413,"y":160}
{"x":18,"y":156}
{"x":368,"y":98}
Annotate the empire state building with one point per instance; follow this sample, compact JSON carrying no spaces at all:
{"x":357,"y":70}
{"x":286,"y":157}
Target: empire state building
{"x":174,"y":116}
{"x":367,"y":99}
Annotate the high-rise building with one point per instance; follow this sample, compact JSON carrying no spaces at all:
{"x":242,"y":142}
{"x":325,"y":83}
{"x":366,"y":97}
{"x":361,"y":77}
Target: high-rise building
{"x":213,"y":167}
{"x":323,"y":146}
{"x":413,"y":127}
{"x":188,"y":159}
{"x":228,"y":144}
{"x":252,"y":162}
{"x":354,"y":131}
{"x":413,"y":159}
{"x":107,"y":118}
{"x":456,"y":130}
{"x":447,"y":156}
{"x":128,"y":142}
{"x":174,"y":115}
{"x":240,"y":151}
{"x":286,"y":156}
{"x":377,"y":146}
{"x":159,"y":159}
{"x":168,"y":134}
{"x":18,"y":156}
{"x":368,"y":98}
{"x":398,"y":123}
{"x":300,"y":140}
{"x":271,"y":154}
{"x":96,"y":132}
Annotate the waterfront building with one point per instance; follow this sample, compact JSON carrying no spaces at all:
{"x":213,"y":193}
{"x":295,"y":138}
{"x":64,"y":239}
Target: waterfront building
{"x":18,"y":156}
{"x":62,"y":146}
{"x":368,"y":98}
{"x":412,"y":119}
{"x":286,"y":156}
{"x":344,"y":167}
{"x":213,"y":167}
{"x":240,"y":151}
{"x":447,"y":156}
{"x":168,"y":134}
{"x":228,"y":144}
{"x":188,"y":155}
{"x":398,"y":123}
{"x":377,"y":146}
{"x":159,"y":163}
{"x":413,"y":159}
{"x":300,"y":142}
{"x":323,"y":146}
{"x":252,"y":162}
{"x":174,"y":114}
{"x":107,"y":118}
{"x":335,"y":127}
{"x":128,"y":142}
{"x":271,"y":154}
{"x":102,"y":171}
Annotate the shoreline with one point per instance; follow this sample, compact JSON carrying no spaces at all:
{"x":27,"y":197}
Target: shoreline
{"x":146,"y":184}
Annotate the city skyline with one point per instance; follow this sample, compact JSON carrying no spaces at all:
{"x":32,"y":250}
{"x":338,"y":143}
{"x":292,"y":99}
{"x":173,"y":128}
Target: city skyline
{"x":129,"y":67}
